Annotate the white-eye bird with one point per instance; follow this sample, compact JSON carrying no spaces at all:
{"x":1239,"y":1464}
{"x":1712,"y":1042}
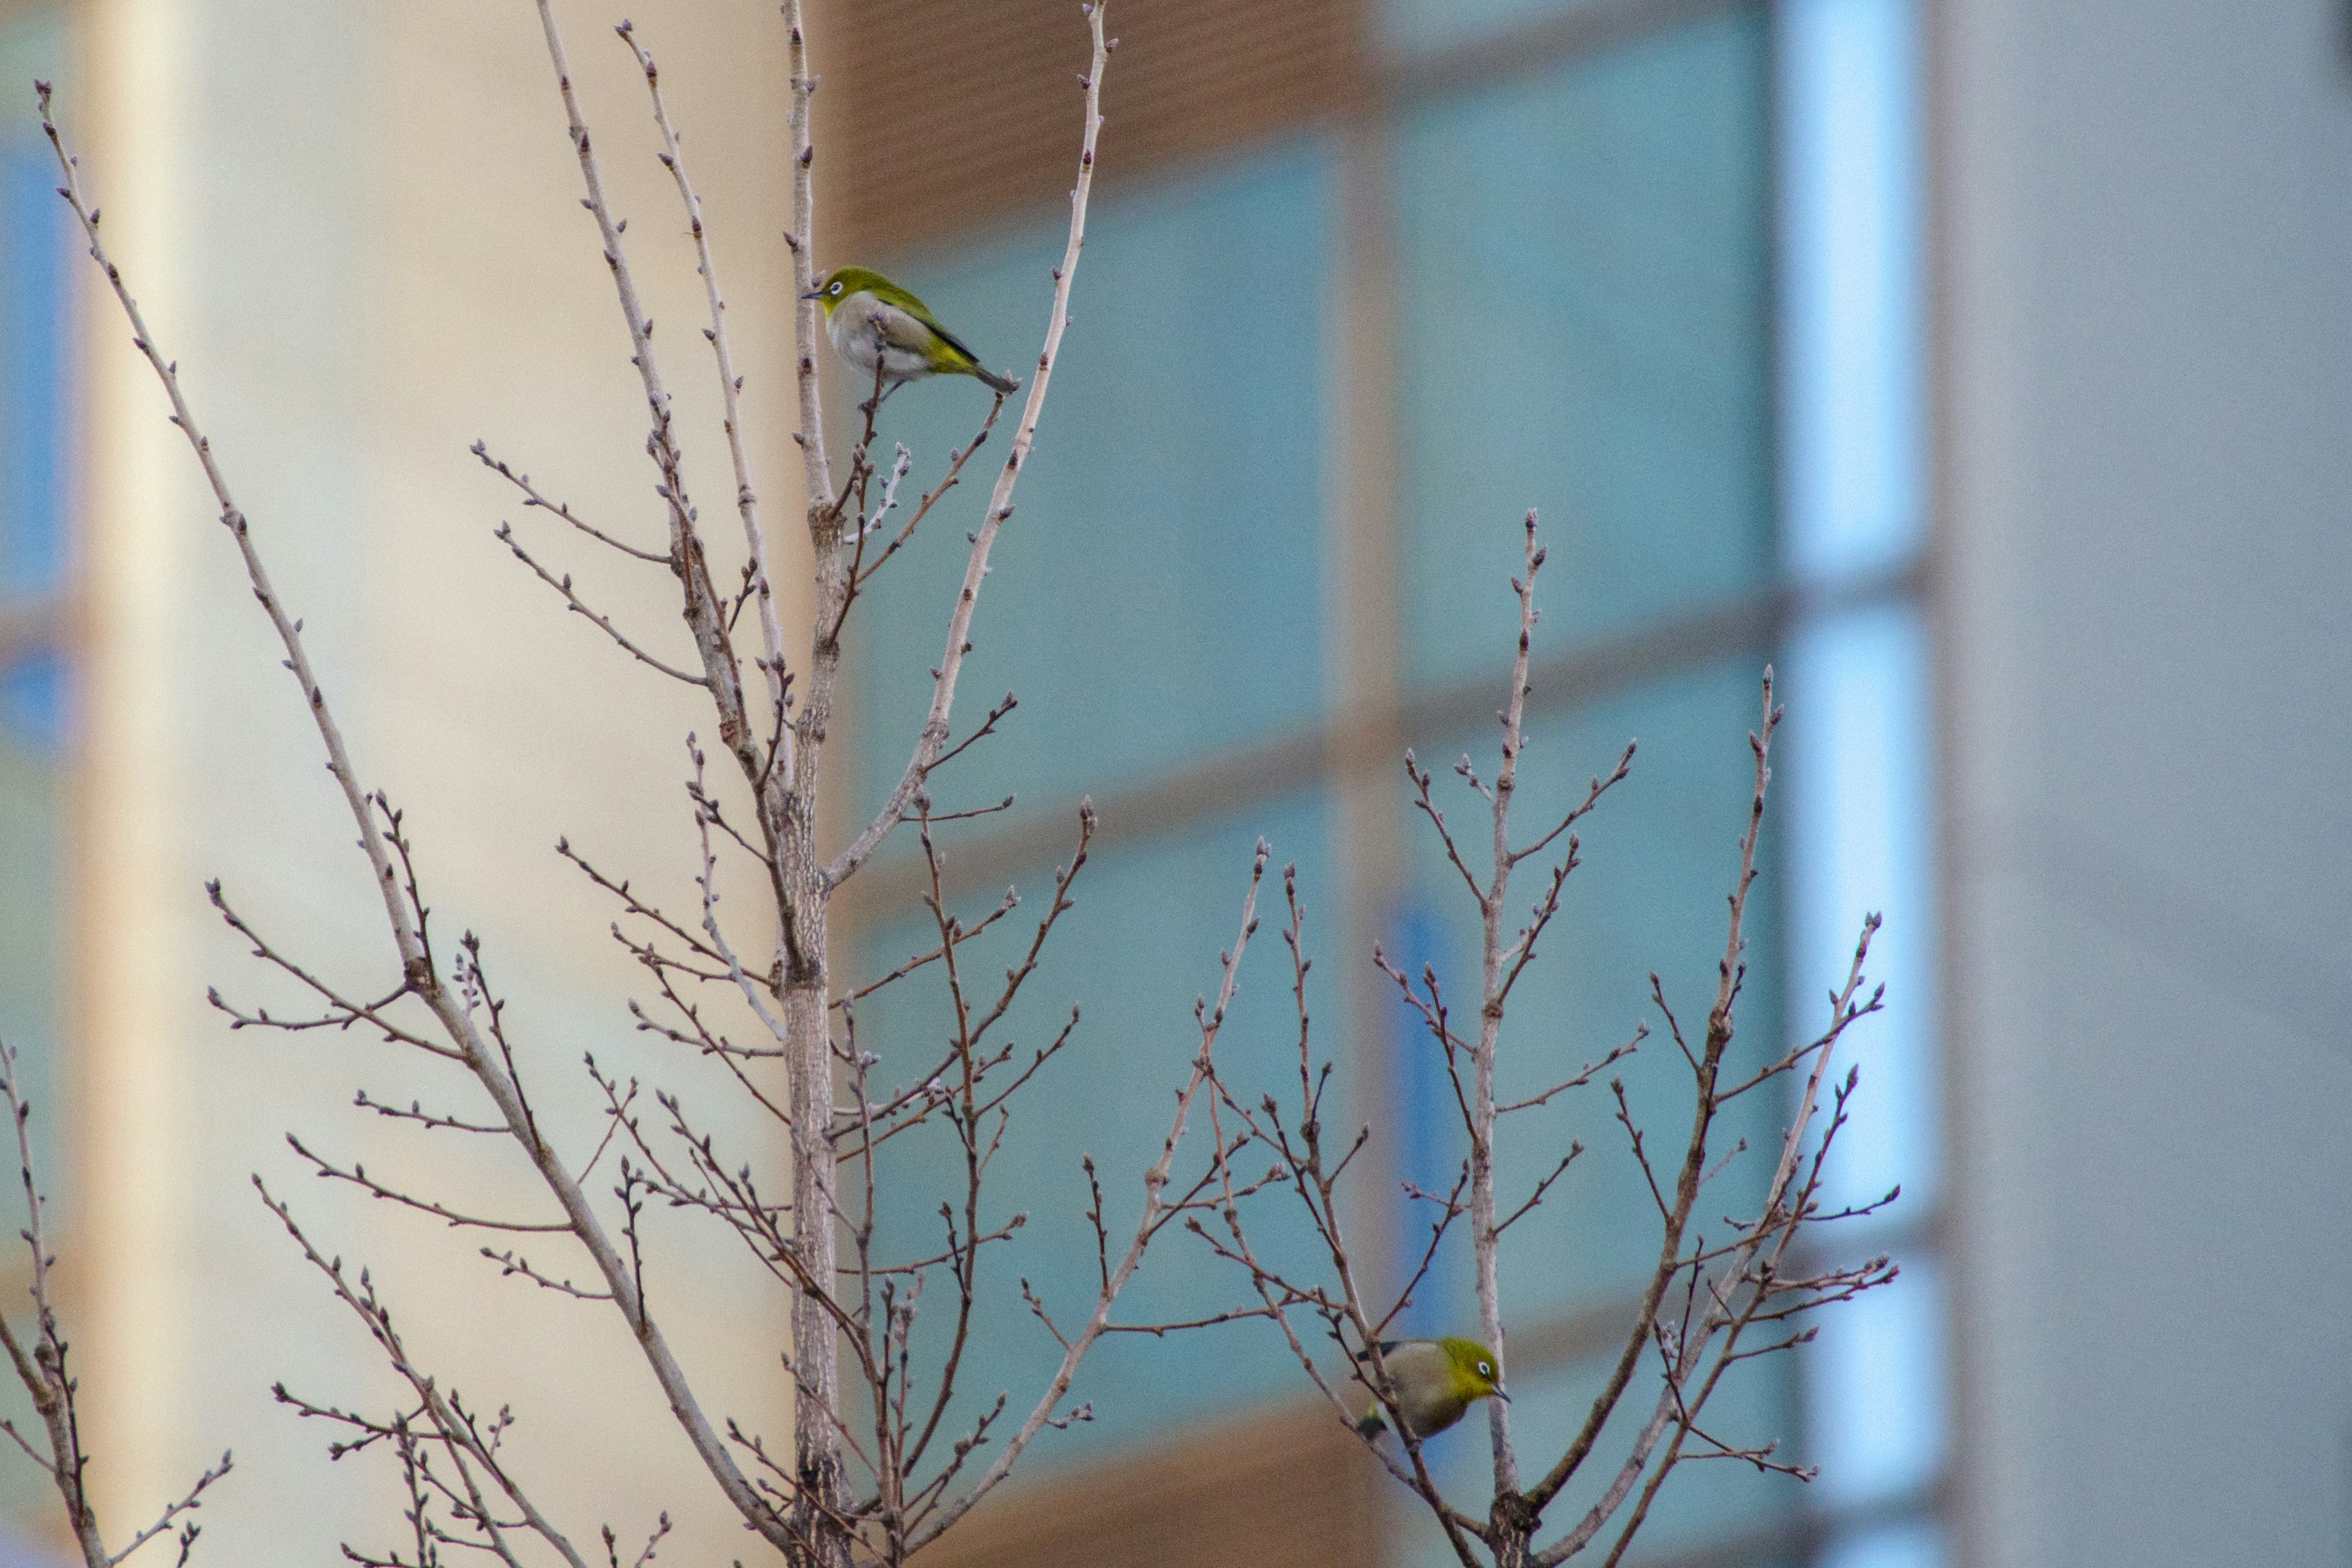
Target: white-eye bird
{"x":869,"y":318}
{"x":1436,"y":1381}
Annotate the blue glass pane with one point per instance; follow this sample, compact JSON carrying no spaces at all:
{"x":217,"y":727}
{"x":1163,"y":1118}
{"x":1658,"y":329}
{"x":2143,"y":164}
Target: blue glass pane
{"x":33,"y":702}
{"x":1859,"y":791}
{"x":1875,"y":1389}
{"x":15,"y":1552}
{"x":1157,"y":591}
{"x":1658,"y":857}
{"x":33,"y":258}
{"x":1701,"y":1501}
{"x":1417,"y":27}
{"x":1851,"y":317}
{"x":1919,"y":1543}
{"x":1138,"y":948}
{"x":1582,"y":274}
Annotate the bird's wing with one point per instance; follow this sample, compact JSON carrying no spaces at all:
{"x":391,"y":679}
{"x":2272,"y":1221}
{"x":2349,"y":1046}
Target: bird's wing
{"x":902,"y":301}
{"x":900,"y":329}
{"x":954,"y":342}
{"x":1414,"y":1358}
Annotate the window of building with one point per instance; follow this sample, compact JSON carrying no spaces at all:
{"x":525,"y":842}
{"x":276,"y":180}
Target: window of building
{"x":1161,"y":583}
{"x":1649,"y":267}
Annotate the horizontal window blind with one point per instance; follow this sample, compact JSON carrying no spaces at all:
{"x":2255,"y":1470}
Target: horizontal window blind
{"x":965,"y":114}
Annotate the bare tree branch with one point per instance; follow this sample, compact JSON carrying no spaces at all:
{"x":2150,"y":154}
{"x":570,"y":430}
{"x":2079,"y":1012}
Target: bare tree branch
{"x":999,"y":503}
{"x":1155,"y":1181}
{"x":41,"y":1367}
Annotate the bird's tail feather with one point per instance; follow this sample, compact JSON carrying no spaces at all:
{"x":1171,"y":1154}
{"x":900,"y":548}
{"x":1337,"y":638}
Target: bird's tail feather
{"x":1004,"y":384}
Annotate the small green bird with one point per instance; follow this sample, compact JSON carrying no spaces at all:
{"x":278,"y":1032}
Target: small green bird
{"x":1436,"y":1381}
{"x":869,"y":316}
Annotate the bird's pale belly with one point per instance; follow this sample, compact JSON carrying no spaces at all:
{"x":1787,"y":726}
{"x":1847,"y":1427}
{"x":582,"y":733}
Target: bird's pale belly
{"x":897,"y":364}
{"x":858,"y":331}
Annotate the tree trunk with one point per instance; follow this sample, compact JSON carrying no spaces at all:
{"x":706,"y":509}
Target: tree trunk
{"x":816,"y":1346}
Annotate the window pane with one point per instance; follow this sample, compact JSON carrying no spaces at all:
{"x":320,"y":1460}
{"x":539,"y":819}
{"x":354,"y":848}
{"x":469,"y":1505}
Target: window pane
{"x":1875,"y":1389}
{"x":1157,"y":591}
{"x":1140,"y":945}
{"x":31,"y":809}
{"x":1850,"y":296}
{"x":1658,"y":857}
{"x":1918,"y":1544}
{"x":33,"y":702}
{"x":1583,"y":281}
{"x":1858,"y":787}
{"x":34,"y":255}
{"x":16,"y":1551}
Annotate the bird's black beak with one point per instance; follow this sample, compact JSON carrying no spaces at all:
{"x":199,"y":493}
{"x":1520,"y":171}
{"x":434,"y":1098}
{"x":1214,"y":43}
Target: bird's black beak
{"x":812,"y":293}
{"x":1503,"y":1396}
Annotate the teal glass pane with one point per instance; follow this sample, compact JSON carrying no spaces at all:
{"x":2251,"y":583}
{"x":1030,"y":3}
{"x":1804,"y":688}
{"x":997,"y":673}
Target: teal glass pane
{"x":31,"y":898}
{"x":1419,"y":27}
{"x":1701,"y":1503}
{"x":1584,"y":329}
{"x":32,"y":806}
{"x":1157,"y":589}
{"x":1138,"y":948}
{"x":1658,"y":857}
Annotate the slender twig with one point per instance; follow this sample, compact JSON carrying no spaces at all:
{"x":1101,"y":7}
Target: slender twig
{"x":1155,"y":1181}
{"x":469,"y":1447}
{"x":1484,"y":1233}
{"x":531,"y":497}
{"x":464,"y":1034}
{"x":999,"y":503}
{"x":956,"y":461}
{"x":41,"y":1367}
{"x":730,"y":388}
{"x":562,"y":584}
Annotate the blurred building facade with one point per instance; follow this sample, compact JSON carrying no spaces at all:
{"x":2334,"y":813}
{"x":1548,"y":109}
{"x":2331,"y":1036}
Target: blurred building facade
{"x":1407,"y":271}
{"x":1982,"y":365}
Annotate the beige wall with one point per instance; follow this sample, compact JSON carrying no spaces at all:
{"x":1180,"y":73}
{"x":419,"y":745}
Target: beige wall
{"x":357,"y":229}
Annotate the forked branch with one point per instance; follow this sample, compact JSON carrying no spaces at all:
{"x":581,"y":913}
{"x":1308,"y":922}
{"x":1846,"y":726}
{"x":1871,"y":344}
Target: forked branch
{"x":39,"y":1360}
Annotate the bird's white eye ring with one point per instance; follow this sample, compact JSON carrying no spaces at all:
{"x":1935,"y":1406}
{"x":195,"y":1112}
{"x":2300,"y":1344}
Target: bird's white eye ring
{"x":1485,"y":1370}
{"x":836,"y":288}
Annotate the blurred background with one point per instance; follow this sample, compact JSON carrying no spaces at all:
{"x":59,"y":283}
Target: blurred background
{"x":1983,"y":366}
